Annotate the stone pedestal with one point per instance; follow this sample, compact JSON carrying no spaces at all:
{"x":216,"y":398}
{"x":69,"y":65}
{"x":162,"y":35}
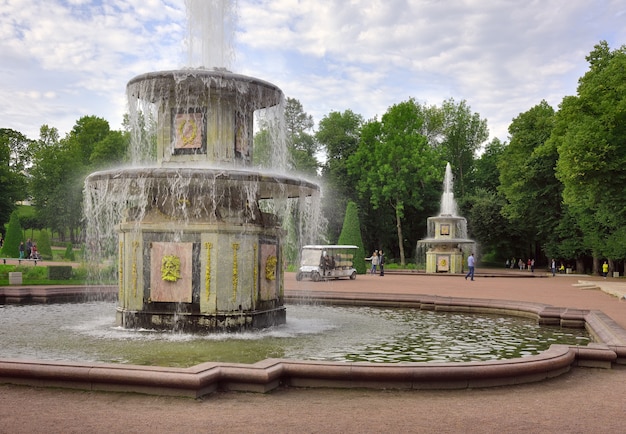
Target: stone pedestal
{"x":15,"y":278}
{"x":212,"y":277}
{"x":442,"y":259}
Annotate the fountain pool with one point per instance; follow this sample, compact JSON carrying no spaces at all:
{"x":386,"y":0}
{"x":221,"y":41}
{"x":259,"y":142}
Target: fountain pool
{"x":315,"y":332}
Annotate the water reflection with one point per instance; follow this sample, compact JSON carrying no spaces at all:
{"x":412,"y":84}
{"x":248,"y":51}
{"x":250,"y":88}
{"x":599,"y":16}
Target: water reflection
{"x":86,"y":332}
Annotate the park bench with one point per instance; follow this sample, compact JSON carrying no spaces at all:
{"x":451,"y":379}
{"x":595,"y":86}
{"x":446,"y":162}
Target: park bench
{"x":19,"y":260}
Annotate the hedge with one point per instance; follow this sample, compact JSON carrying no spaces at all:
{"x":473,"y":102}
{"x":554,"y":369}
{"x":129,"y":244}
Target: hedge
{"x":59,"y":272}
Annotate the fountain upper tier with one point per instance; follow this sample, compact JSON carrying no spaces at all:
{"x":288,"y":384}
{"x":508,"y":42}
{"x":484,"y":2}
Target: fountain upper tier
{"x":201,"y":115}
{"x":159,"y":85}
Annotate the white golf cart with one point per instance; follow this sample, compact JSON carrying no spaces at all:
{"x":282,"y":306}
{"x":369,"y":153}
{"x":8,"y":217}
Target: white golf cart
{"x":323,"y":262}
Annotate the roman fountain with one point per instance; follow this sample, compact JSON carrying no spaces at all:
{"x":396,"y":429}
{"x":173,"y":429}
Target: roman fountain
{"x":195,"y":229}
{"x":446,"y":244}
{"x":199,"y":229}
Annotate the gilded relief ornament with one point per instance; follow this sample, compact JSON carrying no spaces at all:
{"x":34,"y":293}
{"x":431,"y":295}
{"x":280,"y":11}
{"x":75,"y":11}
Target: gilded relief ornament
{"x":170,"y":268}
{"x":270,"y":268}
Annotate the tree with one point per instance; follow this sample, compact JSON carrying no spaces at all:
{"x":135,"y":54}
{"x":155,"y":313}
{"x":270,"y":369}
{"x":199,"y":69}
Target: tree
{"x":463,"y":133}
{"x":14,"y":160}
{"x":486,"y":174}
{"x":43,"y":245}
{"x":487,"y":225}
{"x":394,"y":163}
{"x":338,"y":135}
{"x":351,"y":235}
{"x":592,"y":155}
{"x":301,"y":146}
{"x":262,"y":156}
{"x":527,"y":178}
{"x":56,"y":187}
{"x":14,"y":236}
{"x":301,"y":143}
{"x":61,"y":166}
{"x":20,"y":148}
{"x":111,"y":150}
{"x":85,"y":137}
{"x":69,"y":252}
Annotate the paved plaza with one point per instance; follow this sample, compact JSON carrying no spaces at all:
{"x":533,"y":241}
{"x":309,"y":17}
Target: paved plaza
{"x":583,"y":400}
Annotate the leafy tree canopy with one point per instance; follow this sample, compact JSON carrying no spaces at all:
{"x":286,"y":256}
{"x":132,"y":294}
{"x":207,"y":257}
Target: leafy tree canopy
{"x":394,"y":163}
{"x":592,"y":155}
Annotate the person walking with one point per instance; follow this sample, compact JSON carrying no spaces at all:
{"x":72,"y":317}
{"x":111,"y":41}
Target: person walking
{"x":374,"y":259}
{"x":381,"y":262}
{"x":21,"y":249}
{"x":29,"y":248}
{"x":605,"y":269}
{"x":470,"y":265}
{"x":553,"y":267}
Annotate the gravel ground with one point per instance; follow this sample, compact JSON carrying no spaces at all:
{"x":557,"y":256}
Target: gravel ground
{"x":583,"y":400}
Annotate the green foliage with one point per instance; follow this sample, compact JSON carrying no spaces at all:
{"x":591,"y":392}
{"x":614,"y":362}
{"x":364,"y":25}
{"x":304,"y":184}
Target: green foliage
{"x":483,"y":211}
{"x":5,"y":270}
{"x":592,"y":155}
{"x":43,"y":245}
{"x":528,"y":180}
{"x":463,"y":133}
{"x":30,"y":273}
{"x":262,"y":156}
{"x":82,"y":273}
{"x":69,"y":253}
{"x":291,"y":248}
{"x":14,"y":159}
{"x":338,"y":134}
{"x":11,"y":247}
{"x":394,"y":164}
{"x":111,"y":150}
{"x":59,"y":272}
{"x":486,"y":173}
{"x":56,"y":186}
{"x":302,"y":144}
{"x":38,"y":275}
{"x":351,"y":235}
{"x":60,"y":167}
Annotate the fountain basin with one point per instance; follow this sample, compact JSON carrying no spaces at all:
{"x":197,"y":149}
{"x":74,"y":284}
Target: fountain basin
{"x":269,"y":374}
{"x":196,"y":193}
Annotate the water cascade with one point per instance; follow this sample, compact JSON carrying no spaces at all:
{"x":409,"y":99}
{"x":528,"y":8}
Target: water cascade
{"x":196,"y":228}
{"x":447,"y":242}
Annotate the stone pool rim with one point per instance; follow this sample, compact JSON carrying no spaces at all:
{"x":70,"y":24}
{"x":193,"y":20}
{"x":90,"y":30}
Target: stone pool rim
{"x":269,"y":374}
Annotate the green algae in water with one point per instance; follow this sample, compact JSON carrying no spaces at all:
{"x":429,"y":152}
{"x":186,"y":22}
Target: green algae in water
{"x":86,"y":332}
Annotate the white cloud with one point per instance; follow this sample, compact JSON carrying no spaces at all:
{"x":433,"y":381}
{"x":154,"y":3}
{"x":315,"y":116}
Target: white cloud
{"x":62,"y":59}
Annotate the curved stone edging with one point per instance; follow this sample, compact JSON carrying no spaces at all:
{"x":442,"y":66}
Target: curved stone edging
{"x":269,"y":374}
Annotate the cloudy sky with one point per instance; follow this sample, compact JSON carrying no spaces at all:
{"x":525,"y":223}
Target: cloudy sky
{"x":64,"y":59}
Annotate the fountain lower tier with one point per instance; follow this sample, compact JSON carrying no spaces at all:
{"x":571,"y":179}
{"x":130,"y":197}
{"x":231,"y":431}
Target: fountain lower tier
{"x":198,"y":250}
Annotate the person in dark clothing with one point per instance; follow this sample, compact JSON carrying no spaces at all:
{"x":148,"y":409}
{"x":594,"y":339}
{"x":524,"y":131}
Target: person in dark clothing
{"x":381,"y":262}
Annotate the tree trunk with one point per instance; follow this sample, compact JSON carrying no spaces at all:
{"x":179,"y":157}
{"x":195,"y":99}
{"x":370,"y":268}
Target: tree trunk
{"x":596,"y":265}
{"x":580,"y":266}
{"x":400,"y":238}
